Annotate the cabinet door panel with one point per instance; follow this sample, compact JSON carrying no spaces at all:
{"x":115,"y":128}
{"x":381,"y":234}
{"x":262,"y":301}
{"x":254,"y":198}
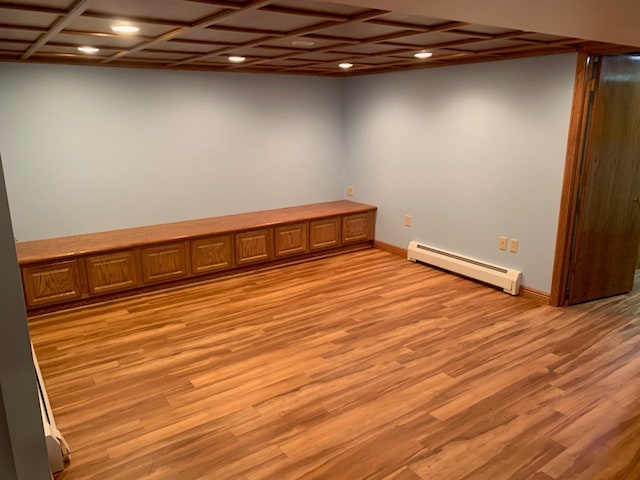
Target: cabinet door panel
{"x":254,"y":246}
{"x":211,"y":254}
{"x":164,"y":262}
{"x":291,"y":240}
{"x":112,"y":272}
{"x":52,"y":283}
{"x":356,"y":228}
{"x":324,"y":233}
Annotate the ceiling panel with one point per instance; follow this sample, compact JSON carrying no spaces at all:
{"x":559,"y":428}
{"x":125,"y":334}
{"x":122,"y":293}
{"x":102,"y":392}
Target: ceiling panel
{"x":95,"y":41}
{"x":176,"y":45}
{"x":491,"y":44}
{"x":360,"y":31}
{"x":413,"y":20}
{"x":12,"y":16}
{"x":367,"y":49}
{"x":279,"y":22}
{"x":220,"y":36}
{"x":98,"y":25}
{"x":13,"y":46}
{"x":13,"y":34}
{"x":431,"y":38}
{"x":61,"y":4}
{"x":289,"y":42}
{"x":319,"y":7}
{"x":170,"y":10}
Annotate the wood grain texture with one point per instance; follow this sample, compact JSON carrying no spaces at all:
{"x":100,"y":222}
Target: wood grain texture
{"x":113,"y":272}
{"x":357,"y":228}
{"x":387,"y":247}
{"x":608,"y":224}
{"x":292,"y":239}
{"x":356,"y":366}
{"x":254,"y":246}
{"x":537,"y":296}
{"x":211,"y":254}
{"x":65,"y":247}
{"x":568,"y":199}
{"x":52,"y":283}
{"x":324,"y":233}
{"x":164,"y":263}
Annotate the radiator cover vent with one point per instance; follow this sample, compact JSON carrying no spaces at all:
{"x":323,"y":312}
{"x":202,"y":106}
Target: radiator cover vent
{"x":505,"y":278}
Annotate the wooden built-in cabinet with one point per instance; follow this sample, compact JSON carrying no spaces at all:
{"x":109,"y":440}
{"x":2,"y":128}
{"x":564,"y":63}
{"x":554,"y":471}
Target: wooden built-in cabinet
{"x":63,"y":272}
{"x":164,"y":263}
{"x":291,"y":239}
{"x":254,"y":246}
{"x":356,"y":228}
{"x":211,"y":254}
{"x":112,"y":272}
{"x":52,"y":283}
{"x":325,"y":233}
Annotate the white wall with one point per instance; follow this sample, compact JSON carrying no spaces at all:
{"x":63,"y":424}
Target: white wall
{"x":472,"y":152}
{"x":89,"y":149}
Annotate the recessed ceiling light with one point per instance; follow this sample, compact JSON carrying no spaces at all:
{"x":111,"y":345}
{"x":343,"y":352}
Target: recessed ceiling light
{"x":345,"y":65}
{"x":125,"y":28}
{"x":422,"y":55}
{"x":236,"y":59}
{"x":89,"y":49}
{"x":303,"y":43}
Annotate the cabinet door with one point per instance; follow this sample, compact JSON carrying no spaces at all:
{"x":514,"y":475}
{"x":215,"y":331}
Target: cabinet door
{"x":254,"y":246}
{"x":324,"y":233}
{"x":164,"y":262}
{"x":291,"y":239}
{"x":356,"y":228}
{"x":112,"y":272}
{"x":52,"y":283}
{"x":211,"y":254}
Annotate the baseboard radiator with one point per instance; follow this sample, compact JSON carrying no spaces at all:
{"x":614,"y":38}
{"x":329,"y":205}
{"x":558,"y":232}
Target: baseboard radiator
{"x":505,"y":278}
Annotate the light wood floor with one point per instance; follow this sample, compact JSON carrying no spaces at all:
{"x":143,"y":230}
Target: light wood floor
{"x":358,"y":366}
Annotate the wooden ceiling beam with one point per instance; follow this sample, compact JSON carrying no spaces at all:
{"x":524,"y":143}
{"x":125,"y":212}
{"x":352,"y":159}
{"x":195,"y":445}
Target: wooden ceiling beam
{"x":76,"y":10}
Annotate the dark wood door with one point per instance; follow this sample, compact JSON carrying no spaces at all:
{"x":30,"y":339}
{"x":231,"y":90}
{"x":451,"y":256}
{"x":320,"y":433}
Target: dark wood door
{"x":607,"y":234}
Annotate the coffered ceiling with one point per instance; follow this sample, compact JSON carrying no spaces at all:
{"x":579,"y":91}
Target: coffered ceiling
{"x":272,"y":36}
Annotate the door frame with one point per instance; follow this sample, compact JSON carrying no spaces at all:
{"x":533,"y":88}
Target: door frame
{"x":569,"y":198}
{"x":583,"y":85}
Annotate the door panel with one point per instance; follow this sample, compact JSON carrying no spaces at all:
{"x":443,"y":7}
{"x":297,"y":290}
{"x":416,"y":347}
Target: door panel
{"x":607,"y":235}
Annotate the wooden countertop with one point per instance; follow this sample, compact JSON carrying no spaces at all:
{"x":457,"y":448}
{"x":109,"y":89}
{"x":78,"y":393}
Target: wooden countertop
{"x":92,"y":243}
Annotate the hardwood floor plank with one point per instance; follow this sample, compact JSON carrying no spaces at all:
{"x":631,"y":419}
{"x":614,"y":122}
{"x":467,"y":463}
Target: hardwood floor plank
{"x":358,"y":366}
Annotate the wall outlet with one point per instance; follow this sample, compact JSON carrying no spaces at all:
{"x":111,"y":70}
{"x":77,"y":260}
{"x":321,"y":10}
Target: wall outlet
{"x":351,"y":191}
{"x":407,"y":220}
{"x":503,"y":243}
{"x":513,"y":248}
